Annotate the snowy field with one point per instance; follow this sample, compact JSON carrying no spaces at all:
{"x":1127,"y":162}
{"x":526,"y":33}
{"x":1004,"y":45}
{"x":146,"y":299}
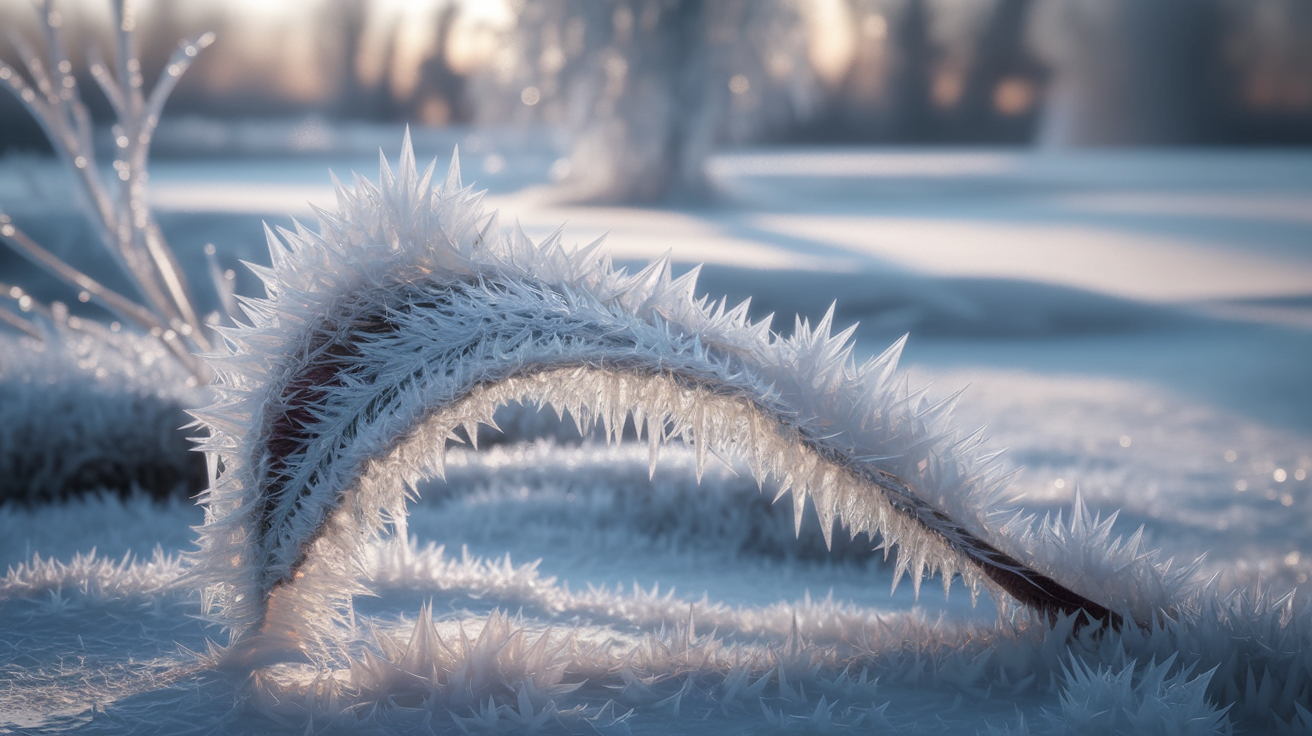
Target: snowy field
{"x":1134,"y":327}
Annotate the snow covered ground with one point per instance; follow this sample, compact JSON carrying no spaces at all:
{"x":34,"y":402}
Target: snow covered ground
{"x":1134,"y":326}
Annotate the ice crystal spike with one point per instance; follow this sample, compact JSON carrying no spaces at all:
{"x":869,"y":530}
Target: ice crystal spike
{"x":407,"y":316}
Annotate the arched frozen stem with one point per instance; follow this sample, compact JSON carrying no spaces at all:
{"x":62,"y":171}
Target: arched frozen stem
{"x":411,"y":316}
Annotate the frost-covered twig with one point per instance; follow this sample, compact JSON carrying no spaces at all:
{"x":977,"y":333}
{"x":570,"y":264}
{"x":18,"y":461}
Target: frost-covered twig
{"x":13,"y":320}
{"x":224,"y":281}
{"x":411,"y":317}
{"x":119,"y":213}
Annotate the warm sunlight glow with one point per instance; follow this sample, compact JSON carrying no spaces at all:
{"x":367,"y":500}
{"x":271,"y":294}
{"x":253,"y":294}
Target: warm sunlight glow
{"x":832,"y":43}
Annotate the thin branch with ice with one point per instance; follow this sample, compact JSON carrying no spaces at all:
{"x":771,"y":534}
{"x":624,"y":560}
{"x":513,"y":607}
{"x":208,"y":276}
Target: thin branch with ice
{"x":122,"y":219}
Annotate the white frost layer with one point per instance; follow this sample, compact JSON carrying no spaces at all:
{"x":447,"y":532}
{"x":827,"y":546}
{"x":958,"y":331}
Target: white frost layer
{"x":573,"y":658}
{"x":943,"y":694}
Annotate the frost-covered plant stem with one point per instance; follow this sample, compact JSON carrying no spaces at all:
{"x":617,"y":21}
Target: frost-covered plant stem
{"x":119,"y":213}
{"x":411,"y":317}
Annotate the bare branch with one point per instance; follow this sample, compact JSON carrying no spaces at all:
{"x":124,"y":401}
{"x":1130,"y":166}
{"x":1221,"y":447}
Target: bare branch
{"x":76,"y":150}
{"x":123,"y":220}
{"x":13,"y":320}
{"x":112,"y":300}
{"x":108,"y":85}
{"x":222,"y":280}
{"x":168,"y":78}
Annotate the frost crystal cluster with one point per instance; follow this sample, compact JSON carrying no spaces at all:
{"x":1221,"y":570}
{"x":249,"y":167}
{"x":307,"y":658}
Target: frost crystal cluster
{"x":411,"y":316}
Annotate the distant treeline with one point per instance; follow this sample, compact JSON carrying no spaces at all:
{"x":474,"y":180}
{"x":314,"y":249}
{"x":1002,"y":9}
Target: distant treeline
{"x":1061,"y":72}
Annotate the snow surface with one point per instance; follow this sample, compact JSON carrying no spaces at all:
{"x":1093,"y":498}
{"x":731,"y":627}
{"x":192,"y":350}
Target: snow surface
{"x":1134,"y":325}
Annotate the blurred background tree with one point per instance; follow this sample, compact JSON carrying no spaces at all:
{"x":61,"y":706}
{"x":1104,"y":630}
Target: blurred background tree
{"x":650,"y":87}
{"x":645,"y":89}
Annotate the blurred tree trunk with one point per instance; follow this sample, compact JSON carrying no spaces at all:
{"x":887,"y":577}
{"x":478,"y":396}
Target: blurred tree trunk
{"x":912,"y":115}
{"x":647,"y":88}
{"x":346,"y":23}
{"x":439,"y":97}
{"x":1128,"y":71}
{"x":1000,"y":58}
{"x":357,"y":98}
